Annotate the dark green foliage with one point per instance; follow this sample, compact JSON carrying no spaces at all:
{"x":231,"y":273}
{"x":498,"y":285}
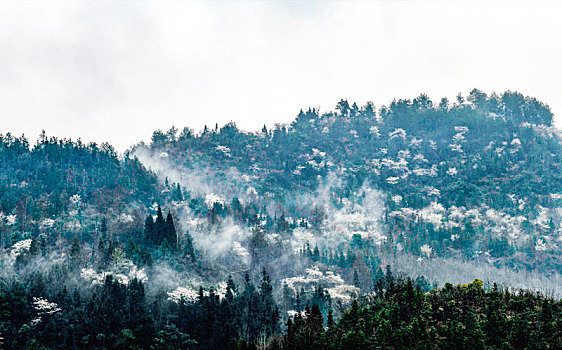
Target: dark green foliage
{"x":188,"y":250}
{"x":170,"y":231}
{"x":507,"y":146}
{"x":461,"y":317}
{"x":117,"y":316}
{"x":170,"y":338}
{"x":55,"y":169}
{"x":75,"y":253}
{"x":149,"y":229}
{"x":161,"y":232}
{"x":59,"y":190}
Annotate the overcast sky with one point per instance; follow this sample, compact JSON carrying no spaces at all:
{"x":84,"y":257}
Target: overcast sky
{"x":116,"y":71}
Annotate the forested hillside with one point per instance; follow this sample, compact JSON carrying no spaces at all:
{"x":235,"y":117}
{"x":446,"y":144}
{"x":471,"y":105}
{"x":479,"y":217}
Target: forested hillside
{"x":479,"y":178}
{"x":339,"y":230}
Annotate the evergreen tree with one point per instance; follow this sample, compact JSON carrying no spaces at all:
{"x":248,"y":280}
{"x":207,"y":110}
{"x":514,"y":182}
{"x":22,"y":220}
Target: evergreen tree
{"x":170,"y":231}
{"x":159,"y":228}
{"x":149,"y":229}
{"x":330,"y":319}
{"x":188,"y":250}
{"x":178,"y":194}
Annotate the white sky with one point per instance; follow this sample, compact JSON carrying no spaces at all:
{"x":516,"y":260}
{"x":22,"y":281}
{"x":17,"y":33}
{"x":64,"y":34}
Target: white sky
{"x":116,"y":71}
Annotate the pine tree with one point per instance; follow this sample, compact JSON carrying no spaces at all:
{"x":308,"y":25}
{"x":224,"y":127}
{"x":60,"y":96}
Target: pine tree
{"x":330,"y":320}
{"x":159,"y":227}
{"x":269,"y":311}
{"x":170,"y":231}
{"x":316,"y":254}
{"x":179,"y":194}
{"x":379,"y":281}
{"x":188,"y":250}
{"x":149,"y":230}
{"x":34,"y":247}
{"x":315,"y":323}
{"x":389,"y":276}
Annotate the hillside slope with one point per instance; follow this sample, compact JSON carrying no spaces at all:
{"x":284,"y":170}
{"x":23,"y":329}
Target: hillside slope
{"x":350,"y":220}
{"x":477,"y":179}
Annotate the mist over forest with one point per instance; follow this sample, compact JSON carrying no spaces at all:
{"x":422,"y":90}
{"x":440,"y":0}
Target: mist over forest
{"x":417,"y":224}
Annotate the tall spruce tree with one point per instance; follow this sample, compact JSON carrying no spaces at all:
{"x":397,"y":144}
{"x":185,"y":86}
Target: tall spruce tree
{"x":149,"y":229}
{"x":170,"y":232}
{"x":159,"y":227}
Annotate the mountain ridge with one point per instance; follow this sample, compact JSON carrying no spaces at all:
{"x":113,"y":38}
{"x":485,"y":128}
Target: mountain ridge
{"x":319,"y":212}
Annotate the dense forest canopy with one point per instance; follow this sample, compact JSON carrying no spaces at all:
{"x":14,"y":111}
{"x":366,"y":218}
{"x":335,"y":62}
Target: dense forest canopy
{"x":445,"y":172}
{"x":336,"y":231}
